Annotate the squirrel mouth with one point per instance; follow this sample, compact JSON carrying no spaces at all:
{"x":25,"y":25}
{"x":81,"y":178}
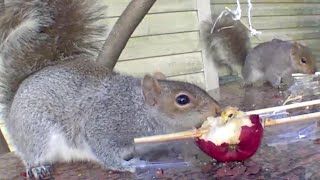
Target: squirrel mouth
{"x":198,"y":125}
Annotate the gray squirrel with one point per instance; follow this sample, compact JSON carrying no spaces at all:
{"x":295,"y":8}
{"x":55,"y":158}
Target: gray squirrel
{"x":276,"y":60}
{"x":272,"y":61}
{"x":60,"y":105}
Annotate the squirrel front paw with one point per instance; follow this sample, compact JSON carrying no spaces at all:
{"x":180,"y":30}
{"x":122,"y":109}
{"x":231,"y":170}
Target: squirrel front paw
{"x":132,"y":164}
{"x":40,"y":172}
{"x":279,"y":85}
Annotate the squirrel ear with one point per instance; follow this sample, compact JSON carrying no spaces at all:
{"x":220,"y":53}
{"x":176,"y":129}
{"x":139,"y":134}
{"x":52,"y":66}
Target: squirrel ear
{"x":159,"y":75}
{"x":151,"y":89}
{"x":295,"y":48}
{"x":297,"y":45}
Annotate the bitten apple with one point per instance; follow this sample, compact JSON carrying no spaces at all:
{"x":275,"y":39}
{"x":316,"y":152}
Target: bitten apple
{"x":232,"y":137}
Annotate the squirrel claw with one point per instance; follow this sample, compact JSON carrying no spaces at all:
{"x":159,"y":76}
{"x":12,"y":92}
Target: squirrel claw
{"x":133,"y":163}
{"x":40,"y":172}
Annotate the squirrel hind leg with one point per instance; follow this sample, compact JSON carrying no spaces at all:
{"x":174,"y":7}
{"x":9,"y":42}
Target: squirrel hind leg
{"x":253,"y":78}
{"x":252,"y":74}
{"x":275,"y":81}
{"x":118,"y":157}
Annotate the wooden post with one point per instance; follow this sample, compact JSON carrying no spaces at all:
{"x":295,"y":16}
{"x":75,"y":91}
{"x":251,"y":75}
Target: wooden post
{"x":211,"y":75}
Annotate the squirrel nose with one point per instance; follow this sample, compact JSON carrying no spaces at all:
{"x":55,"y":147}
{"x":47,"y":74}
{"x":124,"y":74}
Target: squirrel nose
{"x":215,"y":110}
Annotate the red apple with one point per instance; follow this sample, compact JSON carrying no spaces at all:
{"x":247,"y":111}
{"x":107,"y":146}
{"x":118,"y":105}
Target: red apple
{"x":235,"y":140}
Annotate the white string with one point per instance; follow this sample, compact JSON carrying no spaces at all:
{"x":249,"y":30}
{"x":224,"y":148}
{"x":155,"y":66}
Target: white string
{"x":253,"y":31}
{"x":236,"y":14}
{"x":218,"y":18}
{"x":227,"y":27}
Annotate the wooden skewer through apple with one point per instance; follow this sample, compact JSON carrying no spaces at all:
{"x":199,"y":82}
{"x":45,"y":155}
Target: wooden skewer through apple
{"x":266,"y":122}
{"x":235,"y":135}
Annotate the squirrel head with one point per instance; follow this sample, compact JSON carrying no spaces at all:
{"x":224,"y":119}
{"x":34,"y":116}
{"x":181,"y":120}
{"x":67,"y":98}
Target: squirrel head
{"x":179,"y":105}
{"x":303,"y":60}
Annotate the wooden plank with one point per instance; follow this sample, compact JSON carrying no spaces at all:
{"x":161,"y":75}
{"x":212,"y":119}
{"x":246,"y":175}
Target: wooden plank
{"x":276,"y":9}
{"x":116,"y":7}
{"x":196,"y":78}
{"x":280,"y":22}
{"x":160,"y":45}
{"x":164,"y":23}
{"x":287,"y":34}
{"x":317,"y":55}
{"x":169,"y":65}
{"x":314,"y":44}
{"x":264,"y":1}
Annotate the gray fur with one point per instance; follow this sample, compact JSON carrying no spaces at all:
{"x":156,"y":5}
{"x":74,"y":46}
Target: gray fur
{"x":275,"y":60}
{"x":104,"y":114}
{"x":37,"y":32}
{"x":68,"y":108}
{"x":228,"y":44}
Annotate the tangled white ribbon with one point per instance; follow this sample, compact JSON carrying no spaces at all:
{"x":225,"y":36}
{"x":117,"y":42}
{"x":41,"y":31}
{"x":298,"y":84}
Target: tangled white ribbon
{"x":236,"y":15}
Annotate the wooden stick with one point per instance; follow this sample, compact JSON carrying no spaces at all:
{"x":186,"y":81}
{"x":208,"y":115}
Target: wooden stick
{"x":122,"y":31}
{"x":267,"y":122}
{"x":301,"y":75}
{"x":271,"y":122}
{"x":197,"y":133}
{"x":285,"y":107}
{"x":174,"y":136}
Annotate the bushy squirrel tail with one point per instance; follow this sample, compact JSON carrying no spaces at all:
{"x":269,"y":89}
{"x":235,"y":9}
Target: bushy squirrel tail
{"x":39,"y":33}
{"x":229,"y":40}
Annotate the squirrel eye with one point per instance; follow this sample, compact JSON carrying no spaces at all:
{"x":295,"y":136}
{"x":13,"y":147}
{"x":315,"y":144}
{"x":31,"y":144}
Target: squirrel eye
{"x":303,"y":60}
{"x":182,"y":99}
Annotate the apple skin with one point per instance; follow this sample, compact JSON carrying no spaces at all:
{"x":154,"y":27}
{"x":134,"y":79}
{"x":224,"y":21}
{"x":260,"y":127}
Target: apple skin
{"x":250,"y":140}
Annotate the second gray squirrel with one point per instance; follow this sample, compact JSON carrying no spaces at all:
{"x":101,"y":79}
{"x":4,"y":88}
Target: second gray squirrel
{"x":60,"y":105}
{"x":272,"y":61}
